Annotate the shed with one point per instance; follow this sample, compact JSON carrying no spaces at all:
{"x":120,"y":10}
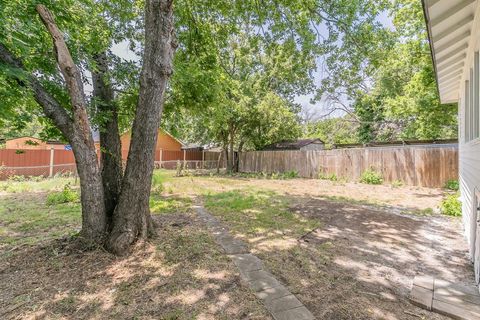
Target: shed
{"x":31,"y":143}
{"x":165,"y":141}
{"x":302,"y":144}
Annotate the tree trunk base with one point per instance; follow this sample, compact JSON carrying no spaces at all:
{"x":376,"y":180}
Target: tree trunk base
{"x":127,"y":232}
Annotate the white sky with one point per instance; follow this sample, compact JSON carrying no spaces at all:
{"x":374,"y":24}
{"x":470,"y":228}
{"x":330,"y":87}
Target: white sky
{"x":122,"y":50}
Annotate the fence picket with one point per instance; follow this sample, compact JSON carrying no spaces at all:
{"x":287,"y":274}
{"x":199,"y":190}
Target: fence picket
{"x":422,"y":165}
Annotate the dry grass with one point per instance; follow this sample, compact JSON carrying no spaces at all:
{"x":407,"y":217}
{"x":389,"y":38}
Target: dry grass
{"x":182,"y":274}
{"x":336,"y":245}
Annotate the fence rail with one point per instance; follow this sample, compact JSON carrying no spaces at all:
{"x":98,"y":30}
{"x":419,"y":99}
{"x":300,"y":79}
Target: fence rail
{"x":425,"y":165}
{"x":48,"y":163}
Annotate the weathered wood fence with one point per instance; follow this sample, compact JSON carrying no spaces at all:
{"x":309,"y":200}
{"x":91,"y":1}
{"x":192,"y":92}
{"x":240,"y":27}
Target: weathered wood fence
{"x":423,"y":165}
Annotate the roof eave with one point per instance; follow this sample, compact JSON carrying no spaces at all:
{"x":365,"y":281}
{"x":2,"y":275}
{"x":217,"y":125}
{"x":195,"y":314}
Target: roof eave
{"x":432,"y":55}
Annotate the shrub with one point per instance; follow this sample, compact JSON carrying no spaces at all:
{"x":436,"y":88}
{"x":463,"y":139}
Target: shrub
{"x":451,"y":206}
{"x":452,"y":185}
{"x":370,"y":176}
{"x":64,"y":196}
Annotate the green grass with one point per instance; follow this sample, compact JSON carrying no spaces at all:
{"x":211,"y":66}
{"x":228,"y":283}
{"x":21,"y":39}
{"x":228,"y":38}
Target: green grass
{"x":163,"y":205}
{"x":36,"y":185}
{"x":28,"y":219}
{"x":257,"y":213}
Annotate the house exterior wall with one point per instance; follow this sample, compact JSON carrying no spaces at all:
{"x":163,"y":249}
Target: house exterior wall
{"x":454,"y":32}
{"x":469,"y":165}
{"x":23,"y":144}
{"x":164,"y":141}
{"x":469,"y":154}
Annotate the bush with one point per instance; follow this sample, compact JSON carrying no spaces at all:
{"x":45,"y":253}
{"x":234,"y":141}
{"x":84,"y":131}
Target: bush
{"x":370,"y":176}
{"x":452,"y":185}
{"x":451,"y":206}
{"x":64,"y":196}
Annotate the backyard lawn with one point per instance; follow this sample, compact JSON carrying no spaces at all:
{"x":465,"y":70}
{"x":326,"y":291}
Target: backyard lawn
{"x":346,"y":250}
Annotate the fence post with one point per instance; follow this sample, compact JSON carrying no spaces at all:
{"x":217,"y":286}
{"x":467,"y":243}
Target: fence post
{"x":161,"y":157}
{"x":52,"y":153}
{"x":184,"y":158}
{"x":203,"y":159}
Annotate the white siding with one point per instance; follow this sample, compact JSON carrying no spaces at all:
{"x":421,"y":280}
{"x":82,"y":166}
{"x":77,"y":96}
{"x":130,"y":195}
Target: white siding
{"x":469,"y":161}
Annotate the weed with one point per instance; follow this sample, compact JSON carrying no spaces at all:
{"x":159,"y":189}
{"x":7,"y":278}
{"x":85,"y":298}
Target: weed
{"x":452,"y":185}
{"x":371,"y":176}
{"x":397,"y":183}
{"x":451,"y":206}
{"x":65,"y":196}
{"x":325,"y":176}
{"x":157,"y":183}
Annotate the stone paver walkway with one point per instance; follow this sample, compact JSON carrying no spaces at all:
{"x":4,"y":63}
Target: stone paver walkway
{"x":454,"y":300}
{"x":278,"y":300}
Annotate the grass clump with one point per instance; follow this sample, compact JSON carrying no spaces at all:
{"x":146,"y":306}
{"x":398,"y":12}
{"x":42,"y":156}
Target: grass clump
{"x":325,"y":176}
{"x":157,"y":183}
{"x":371,"y":176}
{"x":452,"y":185}
{"x":451,"y":206}
{"x":397,"y":183}
{"x":65,"y":196}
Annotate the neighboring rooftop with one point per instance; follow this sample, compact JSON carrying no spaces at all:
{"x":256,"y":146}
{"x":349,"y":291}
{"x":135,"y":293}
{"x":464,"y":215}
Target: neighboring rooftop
{"x":394,"y":143}
{"x":295,"y":145}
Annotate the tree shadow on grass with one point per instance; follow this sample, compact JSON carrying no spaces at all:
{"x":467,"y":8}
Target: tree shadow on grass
{"x":182,"y":274}
{"x":361,"y":261}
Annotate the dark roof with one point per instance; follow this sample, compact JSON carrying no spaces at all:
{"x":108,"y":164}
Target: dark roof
{"x":292,"y":145}
{"x":394,"y":143}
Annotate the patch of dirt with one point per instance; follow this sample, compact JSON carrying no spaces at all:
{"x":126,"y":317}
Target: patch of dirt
{"x":416,"y":198}
{"x":181,"y":275}
{"x":360,"y":263}
{"x":407,"y":197}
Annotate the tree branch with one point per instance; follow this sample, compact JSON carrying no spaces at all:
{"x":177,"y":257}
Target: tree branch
{"x":71,"y":74}
{"x":51,"y":107}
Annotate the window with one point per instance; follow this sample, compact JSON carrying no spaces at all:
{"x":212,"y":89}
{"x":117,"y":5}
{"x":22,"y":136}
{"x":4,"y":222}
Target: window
{"x":467,"y":111}
{"x":472,"y":101}
{"x":476,"y":87}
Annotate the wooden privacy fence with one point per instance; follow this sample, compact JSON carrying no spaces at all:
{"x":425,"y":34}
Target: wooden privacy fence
{"x":424,"y":165}
{"x":47,"y":163}
{"x":33,"y":162}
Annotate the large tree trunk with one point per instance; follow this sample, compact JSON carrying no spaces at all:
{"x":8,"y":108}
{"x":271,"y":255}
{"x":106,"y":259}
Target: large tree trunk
{"x":93,"y":208}
{"x":110,"y":144}
{"x":132,"y":220}
{"x":93,"y":219}
{"x":231,"y":151}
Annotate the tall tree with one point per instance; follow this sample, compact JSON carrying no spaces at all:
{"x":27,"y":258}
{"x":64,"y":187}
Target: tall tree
{"x":131,"y":218}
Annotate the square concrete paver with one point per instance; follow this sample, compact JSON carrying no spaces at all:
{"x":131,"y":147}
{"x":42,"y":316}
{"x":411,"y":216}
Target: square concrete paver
{"x":273,"y":293}
{"x":454,"y":311}
{"x":283,"y":303}
{"x":300,"y":313}
{"x":278,"y":300}
{"x":261,"y":280}
{"x":421,"y":297}
{"x":247,"y":262}
{"x":451,"y":299}
{"x":424,"y":282}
